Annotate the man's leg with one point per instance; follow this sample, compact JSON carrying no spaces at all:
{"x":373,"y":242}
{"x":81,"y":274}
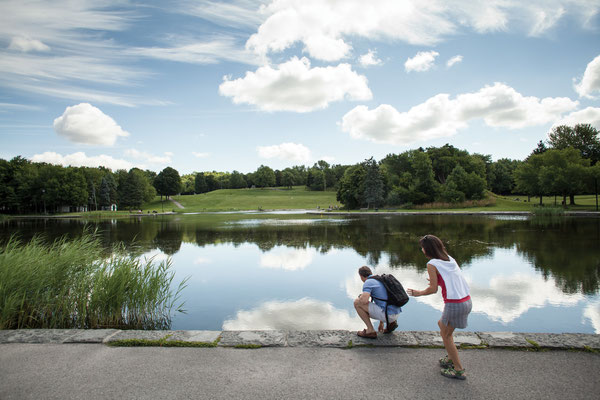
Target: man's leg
{"x":363,"y":313}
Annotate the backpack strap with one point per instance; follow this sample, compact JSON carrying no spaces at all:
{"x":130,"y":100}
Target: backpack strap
{"x":373,"y":298}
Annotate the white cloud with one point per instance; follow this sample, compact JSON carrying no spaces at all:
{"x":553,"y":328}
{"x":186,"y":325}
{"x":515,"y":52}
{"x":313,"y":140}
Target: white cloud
{"x":321,"y":25}
{"x":324,"y":26}
{"x":295,"y":86}
{"x":589,"y":115}
{"x":200,"y":155}
{"x":288,"y":259}
{"x":454,"y":60}
{"x":194,"y":52}
{"x":498,"y":105}
{"x":423,"y":61}
{"x":304,"y":314}
{"x":285,"y":151}
{"x":235,"y":14}
{"x":25,"y":45}
{"x":80,"y":159}
{"x":590,"y":82}
{"x":147,"y":157}
{"x":369,"y":59}
{"x":84,"y":123}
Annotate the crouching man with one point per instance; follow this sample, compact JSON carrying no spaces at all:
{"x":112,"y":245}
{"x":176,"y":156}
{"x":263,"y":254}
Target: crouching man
{"x":367,"y":310}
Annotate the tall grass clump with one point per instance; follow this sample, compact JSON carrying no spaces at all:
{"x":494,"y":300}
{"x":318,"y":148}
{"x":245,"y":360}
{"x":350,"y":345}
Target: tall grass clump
{"x":71,"y":283}
{"x":547,"y":211}
{"x":487,"y":202}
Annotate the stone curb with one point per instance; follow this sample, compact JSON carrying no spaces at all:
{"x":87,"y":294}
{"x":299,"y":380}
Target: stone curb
{"x":317,"y":338}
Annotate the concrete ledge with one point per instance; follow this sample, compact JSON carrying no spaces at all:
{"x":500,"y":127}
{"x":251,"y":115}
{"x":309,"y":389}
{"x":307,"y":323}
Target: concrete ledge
{"x":316,"y":338}
{"x":253,"y":338}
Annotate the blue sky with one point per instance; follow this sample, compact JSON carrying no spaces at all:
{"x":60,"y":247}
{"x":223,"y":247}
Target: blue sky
{"x":208,"y":85}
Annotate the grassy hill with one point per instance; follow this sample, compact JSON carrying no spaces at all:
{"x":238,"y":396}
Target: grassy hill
{"x":249,"y":199}
{"x":300,"y":198}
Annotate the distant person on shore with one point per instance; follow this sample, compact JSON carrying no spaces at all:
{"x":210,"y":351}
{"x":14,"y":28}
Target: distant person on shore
{"x":367,"y":310}
{"x":445,"y":272}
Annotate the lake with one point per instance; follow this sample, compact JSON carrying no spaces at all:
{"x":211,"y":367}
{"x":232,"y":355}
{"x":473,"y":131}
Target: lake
{"x":299,"y":271}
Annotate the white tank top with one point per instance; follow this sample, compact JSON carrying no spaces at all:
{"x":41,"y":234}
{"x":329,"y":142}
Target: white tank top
{"x":454,"y":286}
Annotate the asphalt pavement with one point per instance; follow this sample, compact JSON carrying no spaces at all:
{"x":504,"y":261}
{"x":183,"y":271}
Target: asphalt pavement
{"x":97,"y":371}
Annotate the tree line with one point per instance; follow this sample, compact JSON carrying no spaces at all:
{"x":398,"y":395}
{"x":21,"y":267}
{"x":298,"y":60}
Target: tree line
{"x":565,"y":165}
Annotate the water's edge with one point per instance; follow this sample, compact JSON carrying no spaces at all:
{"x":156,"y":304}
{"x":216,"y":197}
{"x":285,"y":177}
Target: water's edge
{"x":316,"y":338}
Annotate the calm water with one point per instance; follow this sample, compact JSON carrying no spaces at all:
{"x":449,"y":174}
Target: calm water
{"x":300,"y":272}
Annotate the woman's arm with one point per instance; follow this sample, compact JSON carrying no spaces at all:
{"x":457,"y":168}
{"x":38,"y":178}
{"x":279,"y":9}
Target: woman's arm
{"x":433,"y":284}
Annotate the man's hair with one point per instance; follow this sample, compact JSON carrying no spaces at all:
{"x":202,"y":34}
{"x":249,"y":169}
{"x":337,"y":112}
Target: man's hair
{"x":365,"y":271}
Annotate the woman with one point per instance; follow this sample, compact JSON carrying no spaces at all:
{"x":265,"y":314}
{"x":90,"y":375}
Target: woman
{"x":445,"y":272}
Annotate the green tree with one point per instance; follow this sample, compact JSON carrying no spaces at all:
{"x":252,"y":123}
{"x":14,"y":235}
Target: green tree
{"x":502,"y":177}
{"x":200,"y":185}
{"x":188,"y":184}
{"x":168,"y":182}
{"x":564,"y":172}
{"x":108,"y":190}
{"x":583,"y":137}
{"x":373,"y":194}
{"x":315,"y":179}
{"x":527,"y":177}
{"x":237,"y":181}
{"x":287,"y":179}
{"x":264,"y":177}
{"x":135,"y":189}
{"x":352,"y":187}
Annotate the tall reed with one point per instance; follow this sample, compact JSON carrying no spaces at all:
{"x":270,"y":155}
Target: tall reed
{"x":71,"y":283}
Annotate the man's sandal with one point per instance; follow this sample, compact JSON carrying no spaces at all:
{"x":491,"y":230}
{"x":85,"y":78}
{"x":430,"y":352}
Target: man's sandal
{"x":454,"y":374}
{"x":364,"y":334}
{"x":392,"y":327}
{"x":446,"y":362}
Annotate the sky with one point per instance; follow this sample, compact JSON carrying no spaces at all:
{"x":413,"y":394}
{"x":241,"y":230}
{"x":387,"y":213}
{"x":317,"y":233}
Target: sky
{"x":232,"y":85}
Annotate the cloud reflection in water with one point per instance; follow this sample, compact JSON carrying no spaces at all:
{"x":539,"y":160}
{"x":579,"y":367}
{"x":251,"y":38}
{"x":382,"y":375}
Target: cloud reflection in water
{"x":288,"y":258}
{"x":304,"y":314}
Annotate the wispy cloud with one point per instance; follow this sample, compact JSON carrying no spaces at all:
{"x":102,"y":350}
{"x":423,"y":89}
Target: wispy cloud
{"x":234,"y":14}
{"x":285,"y":151}
{"x":190,"y":50}
{"x":148,"y":157}
{"x":454,"y":60}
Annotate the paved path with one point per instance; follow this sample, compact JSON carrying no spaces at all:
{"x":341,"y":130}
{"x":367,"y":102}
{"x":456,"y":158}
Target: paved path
{"x":97,"y":371}
{"x":176,"y":203}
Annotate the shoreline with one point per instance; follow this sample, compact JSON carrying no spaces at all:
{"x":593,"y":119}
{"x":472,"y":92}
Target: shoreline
{"x":318,"y":212}
{"x":342,"y":339}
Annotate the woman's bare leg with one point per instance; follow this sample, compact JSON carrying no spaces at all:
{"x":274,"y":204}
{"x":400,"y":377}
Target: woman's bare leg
{"x":446,"y":333}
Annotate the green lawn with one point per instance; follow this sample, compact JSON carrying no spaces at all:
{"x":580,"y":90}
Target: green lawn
{"x":300,"y":198}
{"x":582,"y":202}
{"x":249,"y":199}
